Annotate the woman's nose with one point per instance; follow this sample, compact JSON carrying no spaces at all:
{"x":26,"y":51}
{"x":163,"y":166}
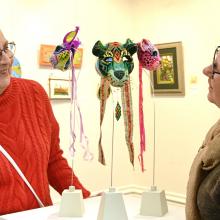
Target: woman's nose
{"x":208,"y":71}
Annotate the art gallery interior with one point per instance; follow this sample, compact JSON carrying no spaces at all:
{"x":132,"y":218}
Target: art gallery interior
{"x":175,"y":124}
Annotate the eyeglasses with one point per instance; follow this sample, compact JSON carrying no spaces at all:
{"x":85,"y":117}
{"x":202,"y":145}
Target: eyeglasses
{"x":214,"y":63}
{"x":9,"y":50}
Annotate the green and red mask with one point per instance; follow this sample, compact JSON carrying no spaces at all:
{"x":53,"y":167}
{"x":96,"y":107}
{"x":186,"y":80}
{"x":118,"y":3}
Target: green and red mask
{"x":115,"y":61}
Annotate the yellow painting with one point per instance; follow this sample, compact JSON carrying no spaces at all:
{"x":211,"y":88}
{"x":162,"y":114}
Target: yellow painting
{"x":77,"y":61}
{"x":165,"y":74}
{"x":168,"y":79}
{"x":59,"y":88}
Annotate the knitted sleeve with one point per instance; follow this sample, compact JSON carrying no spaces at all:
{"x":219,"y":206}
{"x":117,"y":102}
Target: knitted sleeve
{"x":59,"y":172}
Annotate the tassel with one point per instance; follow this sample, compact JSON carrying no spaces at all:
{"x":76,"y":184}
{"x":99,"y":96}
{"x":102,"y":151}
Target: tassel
{"x":103,"y":94}
{"x":128,"y":118}
{"x":118,"y":111}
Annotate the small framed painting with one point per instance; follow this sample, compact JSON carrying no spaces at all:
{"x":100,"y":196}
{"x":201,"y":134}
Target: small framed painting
{"x":59,"y":88}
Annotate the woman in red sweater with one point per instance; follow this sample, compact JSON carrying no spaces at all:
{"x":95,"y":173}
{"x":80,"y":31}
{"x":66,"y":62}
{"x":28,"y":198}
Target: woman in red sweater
{"x":29,"y":133}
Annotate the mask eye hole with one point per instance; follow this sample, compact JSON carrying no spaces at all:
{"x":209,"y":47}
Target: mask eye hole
{"x":108,"y":59}
{"x":154,"y":53}
{"x":127,"y":58}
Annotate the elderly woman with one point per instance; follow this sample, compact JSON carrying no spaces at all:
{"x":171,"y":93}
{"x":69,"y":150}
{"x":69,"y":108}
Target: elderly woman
{"x":203,"y":190}
{"x":29,"y":133}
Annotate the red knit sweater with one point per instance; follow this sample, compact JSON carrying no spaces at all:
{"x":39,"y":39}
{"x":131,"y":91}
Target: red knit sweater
{"x":29,"y":132}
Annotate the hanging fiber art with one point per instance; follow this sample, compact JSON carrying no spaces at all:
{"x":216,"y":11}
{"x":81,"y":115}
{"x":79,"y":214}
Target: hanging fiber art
{"x":114,"y":65}
{"x":149,"y":58}
{"x":62,"y":59}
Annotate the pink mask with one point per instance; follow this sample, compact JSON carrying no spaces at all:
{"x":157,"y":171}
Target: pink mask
{"x":148,"y":55}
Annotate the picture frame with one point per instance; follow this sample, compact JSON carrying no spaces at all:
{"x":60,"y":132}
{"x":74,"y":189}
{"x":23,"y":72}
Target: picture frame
{"x":168,"y":79}
{"x":59,"y":88}
{"x":45,"y":54}
{"x":78,"y":56}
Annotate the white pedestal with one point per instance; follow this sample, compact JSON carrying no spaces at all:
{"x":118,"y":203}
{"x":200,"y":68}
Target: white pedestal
{"x":153,"y":202}
{"x":112,"y":206}
{"x":72,"y":204}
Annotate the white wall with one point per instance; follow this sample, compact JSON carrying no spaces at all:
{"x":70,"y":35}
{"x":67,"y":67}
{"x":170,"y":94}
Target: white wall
{"x":181,"y":122}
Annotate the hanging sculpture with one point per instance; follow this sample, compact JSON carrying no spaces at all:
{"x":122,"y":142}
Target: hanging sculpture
{"x":63,"y":54}
{"x":62,"y":59}
{"x":114,"y":65}
{"x":149,"y":58}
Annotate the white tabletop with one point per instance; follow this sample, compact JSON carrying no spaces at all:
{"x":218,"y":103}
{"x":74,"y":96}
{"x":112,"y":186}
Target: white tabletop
{"x":132,"y":204}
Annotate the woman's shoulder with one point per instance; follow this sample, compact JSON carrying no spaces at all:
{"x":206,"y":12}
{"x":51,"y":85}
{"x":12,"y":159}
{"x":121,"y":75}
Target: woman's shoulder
{"x":29,"y":82}
{"x":216,"y":128}
{"x":30,"y":85}
{"x":213,"y":132}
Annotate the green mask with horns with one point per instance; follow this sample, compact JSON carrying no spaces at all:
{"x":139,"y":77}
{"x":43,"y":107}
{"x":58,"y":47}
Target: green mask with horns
{"x":115,"y":61}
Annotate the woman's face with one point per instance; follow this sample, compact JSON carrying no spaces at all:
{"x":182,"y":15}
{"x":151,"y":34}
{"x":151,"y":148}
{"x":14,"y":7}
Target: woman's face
{"x":5,"y":64}
{"x":214,"y":80}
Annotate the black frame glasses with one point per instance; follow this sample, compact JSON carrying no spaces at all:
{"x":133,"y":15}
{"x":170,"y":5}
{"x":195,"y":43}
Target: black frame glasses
{"x":9,"y":50}
{"x":214,"y":63}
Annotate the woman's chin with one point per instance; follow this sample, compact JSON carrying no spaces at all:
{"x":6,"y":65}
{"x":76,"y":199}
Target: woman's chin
{"x":210,"y":98}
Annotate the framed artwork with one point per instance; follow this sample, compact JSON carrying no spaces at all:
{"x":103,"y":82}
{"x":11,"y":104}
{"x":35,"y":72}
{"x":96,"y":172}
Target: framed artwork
{"x":59,"y":88}
{"x":168,"y":79}
{"x":45,"y":54}
{"x":77,"y":61}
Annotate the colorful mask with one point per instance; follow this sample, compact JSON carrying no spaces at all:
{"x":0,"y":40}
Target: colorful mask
{"x":148,"y":55}
{"x":115,"y":61}
{"x":149,"y":58}
{"x":61,"y":58}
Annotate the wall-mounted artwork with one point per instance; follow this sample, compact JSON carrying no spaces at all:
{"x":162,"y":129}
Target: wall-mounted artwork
{"x":168,"y":79}
{"x":59,"y":88}
{"x":77,"y":62}
{"x":45,"y":54}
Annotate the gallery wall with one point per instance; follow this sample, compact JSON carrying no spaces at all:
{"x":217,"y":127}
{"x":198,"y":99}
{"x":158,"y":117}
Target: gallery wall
{"x":181,"y":121}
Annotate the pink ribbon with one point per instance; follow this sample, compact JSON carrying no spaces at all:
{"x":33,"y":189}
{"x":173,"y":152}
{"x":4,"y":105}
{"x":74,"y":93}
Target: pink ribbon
{"x":141,"y":121}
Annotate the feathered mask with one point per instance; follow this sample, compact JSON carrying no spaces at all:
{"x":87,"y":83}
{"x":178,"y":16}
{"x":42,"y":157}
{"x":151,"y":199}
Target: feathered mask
{"x":61,"y":57}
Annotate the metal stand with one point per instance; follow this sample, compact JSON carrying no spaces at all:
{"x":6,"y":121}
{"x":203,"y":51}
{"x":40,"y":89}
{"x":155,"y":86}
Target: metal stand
{"x":72,"y":203}
{"x":153,"y":201}
{"x":112,"y":206}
